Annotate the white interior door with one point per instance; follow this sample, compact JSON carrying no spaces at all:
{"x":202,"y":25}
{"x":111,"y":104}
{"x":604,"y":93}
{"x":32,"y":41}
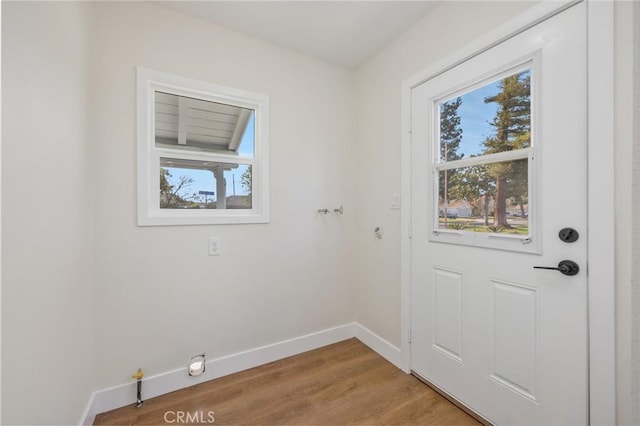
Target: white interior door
{"x":505,"y":339}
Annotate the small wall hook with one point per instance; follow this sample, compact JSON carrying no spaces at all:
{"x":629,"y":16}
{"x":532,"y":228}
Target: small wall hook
{"x":378,"y":232}
{"x":323,"y":211}
{"x":339,"y":210}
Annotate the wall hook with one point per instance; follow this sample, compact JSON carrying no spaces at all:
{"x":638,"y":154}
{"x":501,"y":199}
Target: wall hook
{"x":323,"y":211}
{"x":339,"y":210}
{"x":378,"y":232}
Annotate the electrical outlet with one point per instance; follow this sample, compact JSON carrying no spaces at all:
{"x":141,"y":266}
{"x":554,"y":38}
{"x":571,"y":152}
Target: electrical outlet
{"x":214,"y":246}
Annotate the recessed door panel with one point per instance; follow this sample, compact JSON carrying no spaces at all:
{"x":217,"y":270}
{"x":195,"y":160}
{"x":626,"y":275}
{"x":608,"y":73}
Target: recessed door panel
{"x":515,"y":337}
{"x":447,"y":309}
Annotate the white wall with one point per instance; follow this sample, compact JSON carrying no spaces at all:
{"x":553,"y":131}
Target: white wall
{"x":635,"y":280}
{"x":47,"y":289}
{"x":627,"y":25}
{"x":160,"y":298}
{"x":623,"y":209}
{"x":450,"y":26}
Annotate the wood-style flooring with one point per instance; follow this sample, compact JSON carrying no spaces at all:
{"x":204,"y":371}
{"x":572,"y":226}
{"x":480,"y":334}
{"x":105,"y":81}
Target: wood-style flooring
{"x":344,"y":383}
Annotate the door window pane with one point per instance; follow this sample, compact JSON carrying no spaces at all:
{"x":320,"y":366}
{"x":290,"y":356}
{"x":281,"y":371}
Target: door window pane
{"x":493,"y":118}
{"x":491,"y":198}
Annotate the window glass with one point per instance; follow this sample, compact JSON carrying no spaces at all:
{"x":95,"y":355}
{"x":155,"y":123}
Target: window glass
{"x":203,"y":152}
{"x":477,"y":192}
{"x":495,"y":117}
{"x":191,"y":184}
{"x":485,"y":198}
{"x":198,"y":125}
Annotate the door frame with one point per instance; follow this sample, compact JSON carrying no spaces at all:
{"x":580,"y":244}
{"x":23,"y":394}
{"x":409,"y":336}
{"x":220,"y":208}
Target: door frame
{"x":600,"y":190}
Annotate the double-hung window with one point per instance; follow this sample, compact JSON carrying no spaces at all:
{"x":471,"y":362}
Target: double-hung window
{"x":202,"y":152}
{"x":483,"y":180}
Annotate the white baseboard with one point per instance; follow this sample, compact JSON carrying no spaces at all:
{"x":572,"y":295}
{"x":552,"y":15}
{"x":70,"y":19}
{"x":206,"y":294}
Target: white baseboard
{"x":159,"y":384}
{"x":88,"y":416}
{"x":385,"y":349}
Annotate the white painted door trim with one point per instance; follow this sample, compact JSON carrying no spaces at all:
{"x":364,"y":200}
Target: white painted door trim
{"x":600,"y":245}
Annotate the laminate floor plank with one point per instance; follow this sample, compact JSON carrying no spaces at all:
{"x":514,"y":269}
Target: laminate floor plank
{"x":341,"y":384}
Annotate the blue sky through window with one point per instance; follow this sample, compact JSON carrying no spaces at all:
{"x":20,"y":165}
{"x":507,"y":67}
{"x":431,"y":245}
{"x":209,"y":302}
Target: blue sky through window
{"x":475,"y":116}
{"x":247,"y":143}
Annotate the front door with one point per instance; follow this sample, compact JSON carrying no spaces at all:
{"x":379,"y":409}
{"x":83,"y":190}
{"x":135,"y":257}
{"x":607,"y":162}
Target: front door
{"x":499,"y":152}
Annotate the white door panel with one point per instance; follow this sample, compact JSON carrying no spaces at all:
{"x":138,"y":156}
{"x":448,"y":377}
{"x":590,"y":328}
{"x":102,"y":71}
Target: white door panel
{"x":508,"y":340}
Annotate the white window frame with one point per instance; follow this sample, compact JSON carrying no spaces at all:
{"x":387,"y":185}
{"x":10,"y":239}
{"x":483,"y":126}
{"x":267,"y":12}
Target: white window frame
{"x":149,"y":211}
{"x":529,"y":243}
